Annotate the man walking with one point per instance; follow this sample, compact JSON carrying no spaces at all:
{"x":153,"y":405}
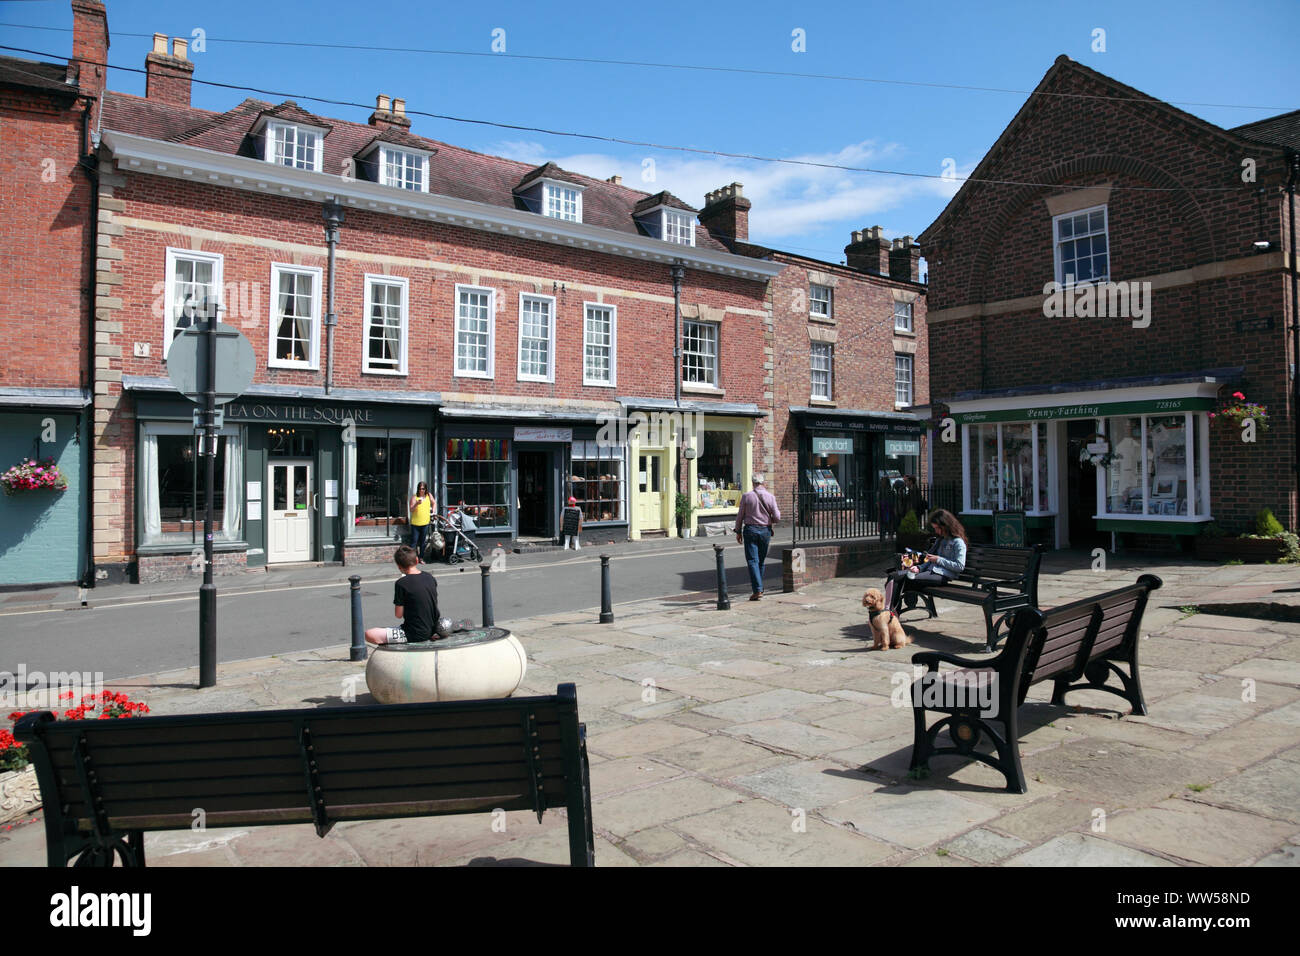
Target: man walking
{"x":758,"y":512}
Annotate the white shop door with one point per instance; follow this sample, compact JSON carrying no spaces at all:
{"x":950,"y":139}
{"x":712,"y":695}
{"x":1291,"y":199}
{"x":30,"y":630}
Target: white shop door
{"x":290,"y":519}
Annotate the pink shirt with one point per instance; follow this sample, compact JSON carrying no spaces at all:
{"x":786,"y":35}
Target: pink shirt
{"x":757,"y":507}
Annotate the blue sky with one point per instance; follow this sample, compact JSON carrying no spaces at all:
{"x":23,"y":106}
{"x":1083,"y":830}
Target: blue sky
{"x":1193,"y":52}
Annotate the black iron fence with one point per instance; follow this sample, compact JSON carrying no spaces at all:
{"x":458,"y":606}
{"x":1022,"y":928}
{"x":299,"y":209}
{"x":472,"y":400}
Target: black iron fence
{"x":869,"y":512}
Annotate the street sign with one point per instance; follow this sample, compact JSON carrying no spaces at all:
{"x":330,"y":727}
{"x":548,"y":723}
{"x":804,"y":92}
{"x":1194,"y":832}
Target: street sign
{"x":187,"y":363}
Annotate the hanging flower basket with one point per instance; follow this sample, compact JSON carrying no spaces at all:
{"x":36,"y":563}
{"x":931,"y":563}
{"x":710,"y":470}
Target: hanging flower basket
{"x":1238,"y":410}
{"x":32,"y":475}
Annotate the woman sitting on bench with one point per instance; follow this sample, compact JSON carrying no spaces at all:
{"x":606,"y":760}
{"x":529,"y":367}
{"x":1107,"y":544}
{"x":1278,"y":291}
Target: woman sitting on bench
{"x":938,"y":568}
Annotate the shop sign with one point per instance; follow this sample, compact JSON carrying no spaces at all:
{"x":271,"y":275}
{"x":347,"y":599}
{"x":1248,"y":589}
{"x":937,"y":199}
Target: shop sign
{"x":832,"y":446}
{"x":865,"y":425}
{"x":1151,"y":406}
{"x":333,"y":415}
{"x":894,"y":448}
{"x":532,"y":433}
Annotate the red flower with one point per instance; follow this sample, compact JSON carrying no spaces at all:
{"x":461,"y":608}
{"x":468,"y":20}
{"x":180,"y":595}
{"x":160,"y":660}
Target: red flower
{"x":1238,"y":396}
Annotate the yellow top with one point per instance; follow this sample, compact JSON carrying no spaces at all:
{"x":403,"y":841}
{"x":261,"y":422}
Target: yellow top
{"x":420,"y":510}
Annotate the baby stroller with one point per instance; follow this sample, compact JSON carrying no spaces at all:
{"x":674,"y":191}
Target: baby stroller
{"x":459,"y":546}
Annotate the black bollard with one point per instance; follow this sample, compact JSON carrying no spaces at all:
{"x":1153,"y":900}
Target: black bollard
{"x":724,"y":599}
{"x":358,"y":650}
{"x":488,"y":619}
{"x":606,"y":602}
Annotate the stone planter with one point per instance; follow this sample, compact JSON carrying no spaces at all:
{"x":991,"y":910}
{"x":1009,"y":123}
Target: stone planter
{"x":1250,"y":550}
{"x":485,"y":662}
{"x":20,"y":796}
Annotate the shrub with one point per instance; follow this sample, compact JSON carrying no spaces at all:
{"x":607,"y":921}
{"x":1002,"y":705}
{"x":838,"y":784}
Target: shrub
{"x":1266,"y":524}
{"x":910,"y":524}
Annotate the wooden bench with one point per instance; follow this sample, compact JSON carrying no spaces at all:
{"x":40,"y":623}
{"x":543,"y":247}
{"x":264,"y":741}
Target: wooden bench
{"x":1000,"y":580}
{"x":105,"y":783}
{"x":1077,"y":646}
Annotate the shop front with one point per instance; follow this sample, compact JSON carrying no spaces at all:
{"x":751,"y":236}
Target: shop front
{"x":846,"y":456}
{"x":296,"y":481}
{"x":1092,"y":463}
{"x":43,"y":529}
{"x":513,"y":472}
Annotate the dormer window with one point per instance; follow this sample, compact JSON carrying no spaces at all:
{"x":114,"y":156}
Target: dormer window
{"x":403,"y":168}
{"x":299,"y":147}
{"x":563,"y":202}
{"x":678,"y":227}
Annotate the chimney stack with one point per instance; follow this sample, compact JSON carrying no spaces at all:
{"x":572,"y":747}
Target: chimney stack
{"x":389,"y":113}
{"x":905,"y":260}
{"x":726,"y":214}
{"x":167,"y":76}
{"x":868,"y":252}
{"x":89,"y":47}
{"x":616,"y":180}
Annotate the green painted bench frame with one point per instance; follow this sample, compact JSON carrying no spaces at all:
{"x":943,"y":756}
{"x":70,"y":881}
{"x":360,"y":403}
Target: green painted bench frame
{"x":105,"y":783}
{"x":1076,"y":646}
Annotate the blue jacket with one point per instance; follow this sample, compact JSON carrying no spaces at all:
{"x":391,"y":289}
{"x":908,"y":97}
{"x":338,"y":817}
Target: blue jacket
{"x":950,"y":557}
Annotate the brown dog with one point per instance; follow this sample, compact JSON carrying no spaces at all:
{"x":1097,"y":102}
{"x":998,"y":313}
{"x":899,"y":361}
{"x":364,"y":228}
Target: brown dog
{"x":885,"y":627}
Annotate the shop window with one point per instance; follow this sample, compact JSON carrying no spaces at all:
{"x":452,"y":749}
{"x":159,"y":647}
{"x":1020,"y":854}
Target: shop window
{"x":478,"y":476}
{"x":1149,"y":471}
{"x":172,"y":505}
{"x":1007,"y":468}
{"x":718,"y":472}
{"x":597,"y":481}
{"x":833,"y":466}
{"x":384,"y":467}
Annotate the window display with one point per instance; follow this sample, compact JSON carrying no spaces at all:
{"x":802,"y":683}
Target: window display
{"x":171,"y":485}
{"x":478,"y":474}
{"x":1008,"y":468}
{"x":1148,"y":471}
{"x":597,"y":481}
{"x":721,"y":459}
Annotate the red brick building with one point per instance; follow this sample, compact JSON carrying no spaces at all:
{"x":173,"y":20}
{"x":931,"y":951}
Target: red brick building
{"x":489,"y":321}
{"x":1118,"y":275}
{"x":48,"y":260}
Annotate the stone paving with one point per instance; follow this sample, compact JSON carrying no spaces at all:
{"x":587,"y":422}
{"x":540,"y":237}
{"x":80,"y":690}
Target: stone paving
{"x":765,"y":736}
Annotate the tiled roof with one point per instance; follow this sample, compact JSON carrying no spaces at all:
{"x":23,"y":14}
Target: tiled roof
{"x":32,"y":75}
{"x":1281,"y":130}
{"x":453,"y":170}
{"x":664,"y":198}
{"x":395,"y":137}
{"x":291,"y":112}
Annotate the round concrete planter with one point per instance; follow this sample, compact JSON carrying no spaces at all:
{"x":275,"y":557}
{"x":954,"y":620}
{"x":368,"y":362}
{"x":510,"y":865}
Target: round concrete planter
{"x":20,"y":796}
{"x":472,"y":665}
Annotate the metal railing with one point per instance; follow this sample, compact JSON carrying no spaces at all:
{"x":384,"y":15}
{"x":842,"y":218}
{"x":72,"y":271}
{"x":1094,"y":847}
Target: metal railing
{"x":870,"y":512}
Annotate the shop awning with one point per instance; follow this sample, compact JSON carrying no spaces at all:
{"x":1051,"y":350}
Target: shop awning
{"x":74,"y":398}
{"x":1149,"y":395}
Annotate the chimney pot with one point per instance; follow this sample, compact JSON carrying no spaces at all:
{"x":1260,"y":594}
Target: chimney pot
{"x":167,"y":77}
{"x":180,"y":48}
{"x":381,"y":104}
{"x":399,"y":107}
{"x":616,"y":180}
{"x":726,"y":214}
{"x":160,"y":43}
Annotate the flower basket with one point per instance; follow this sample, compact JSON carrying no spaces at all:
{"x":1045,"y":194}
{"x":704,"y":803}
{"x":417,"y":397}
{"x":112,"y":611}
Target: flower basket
{"x":32,"y":475}
{"x":1238,"y":411}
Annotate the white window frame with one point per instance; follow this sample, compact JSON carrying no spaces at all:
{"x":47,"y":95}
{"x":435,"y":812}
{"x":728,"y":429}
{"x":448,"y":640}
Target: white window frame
{"x":830,"y":300}
{"x":169,"y":303}
{"x":387,"y":152}
{"x":613,"y":344}
{"x":273,"y":128}
{"x":1038,"y":452}
{"x":717,"y":350}
{"x":911,"y":384}
{"x":155,"y":430}
{"x":813,"y":348}
{"x":684,"y":221}
{"x":278,"y":269}
{"x":910,"y":325}
{"x":1198,"y":500}
{"x":1059,"y":266}
{"x":458,"y":371}
{"x":549,"y":189}
{"x":549,"y":374}
{"x":373,"y":280}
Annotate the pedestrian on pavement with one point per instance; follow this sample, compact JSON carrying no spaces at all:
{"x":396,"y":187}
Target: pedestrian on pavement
{"x":422,"y":508}
{"x":415,"y":604}
{"x":758,"y":513}
{"x":571,"y":524}
{"x":937,"y":568}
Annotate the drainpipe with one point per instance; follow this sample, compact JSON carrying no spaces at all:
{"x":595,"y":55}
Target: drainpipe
{"x":90,"y":163}
{"x":678,"y":272}
{"x":1293,"y":162}
{"x":332,"y":212}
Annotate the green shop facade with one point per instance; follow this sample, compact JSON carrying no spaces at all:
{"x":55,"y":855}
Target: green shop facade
{"x":1090,"y":462}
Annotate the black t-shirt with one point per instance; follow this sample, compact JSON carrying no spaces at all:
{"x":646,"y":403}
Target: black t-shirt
{"x":417,"y":596}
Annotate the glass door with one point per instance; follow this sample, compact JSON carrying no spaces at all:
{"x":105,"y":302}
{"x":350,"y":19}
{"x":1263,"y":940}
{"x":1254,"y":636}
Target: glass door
{"x":289,"y":521}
